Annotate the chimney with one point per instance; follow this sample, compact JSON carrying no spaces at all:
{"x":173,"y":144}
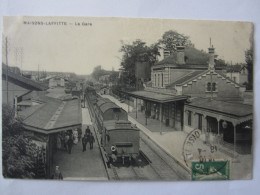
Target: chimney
{"x":166,"y":53}
{"x":180,"y":55}
{"x":211,"y":58}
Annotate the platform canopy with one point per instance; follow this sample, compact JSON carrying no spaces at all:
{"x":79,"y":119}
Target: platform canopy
{"x":52,"y":115}
{"x":156,"y":97}
{"x":230,"y":111}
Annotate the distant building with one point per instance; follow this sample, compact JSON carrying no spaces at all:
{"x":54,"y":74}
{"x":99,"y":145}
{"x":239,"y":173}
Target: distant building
{"x":14,"y":85}
{"x":56,"y":81}
{"x":105,"y":90}
{"x":238,"y":73}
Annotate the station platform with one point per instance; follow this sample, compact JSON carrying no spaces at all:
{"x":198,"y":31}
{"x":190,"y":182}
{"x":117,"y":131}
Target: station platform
{"x":80,"y":165}
{"x":171,"y":141}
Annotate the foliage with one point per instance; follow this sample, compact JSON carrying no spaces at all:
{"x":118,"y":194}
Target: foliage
{"x":171,"y":39}
{"x":113,"y":77}
{"x":249,"y":58}
{"x":98,"y":72}
{"x":18,"y":150}
{"x":220,"y":63}
{"x":138,"y":51}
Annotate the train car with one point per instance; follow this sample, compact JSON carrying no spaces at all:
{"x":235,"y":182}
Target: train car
{"x":107,"y":110}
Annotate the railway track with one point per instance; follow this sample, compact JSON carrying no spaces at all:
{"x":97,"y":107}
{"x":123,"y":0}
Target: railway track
{"x":160,"y":166}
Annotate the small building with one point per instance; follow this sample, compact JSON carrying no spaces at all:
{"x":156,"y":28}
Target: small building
{"x":46,"y":122}
{"x":14,"y":85}
{"x":105,"y":90}
{"x":56,"y":81}
{"x":238,"y":73}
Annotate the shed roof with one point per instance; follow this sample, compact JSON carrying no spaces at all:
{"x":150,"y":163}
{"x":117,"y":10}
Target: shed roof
{"x":52,"y":115}
{"x":230,"y":108}
{"x":26,"y":83}
{"x":156,"y":97}
{"x":187,"y":78}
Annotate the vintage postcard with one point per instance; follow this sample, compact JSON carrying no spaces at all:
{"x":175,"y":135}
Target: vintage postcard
{"x":88,"y":98}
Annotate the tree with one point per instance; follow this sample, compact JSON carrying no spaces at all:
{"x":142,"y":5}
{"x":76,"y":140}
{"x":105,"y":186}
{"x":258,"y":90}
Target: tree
{"x":138,"y":51}
{"x":18,"y":150}
{"x":171,"y":39}
{"x":113,"y":77}
{"x":98,"y":72}
{"x":249,"y":58}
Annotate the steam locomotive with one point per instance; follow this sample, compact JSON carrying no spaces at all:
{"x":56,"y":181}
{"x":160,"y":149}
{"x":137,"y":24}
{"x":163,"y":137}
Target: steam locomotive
{"x":119,"y":137}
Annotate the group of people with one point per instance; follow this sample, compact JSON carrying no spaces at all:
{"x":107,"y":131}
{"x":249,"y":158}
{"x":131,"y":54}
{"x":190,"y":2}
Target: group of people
{"x":68,"y":139}
{"x":88,"y":137}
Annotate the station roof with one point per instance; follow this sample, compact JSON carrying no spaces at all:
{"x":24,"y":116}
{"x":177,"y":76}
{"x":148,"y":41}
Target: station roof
{"x":156,"y":97}
{"x":230,"y":108}
{"x":25,"y":82}
{"x":193,"y":57}
{"x":186,"y":78}
{"x":52,"y":115}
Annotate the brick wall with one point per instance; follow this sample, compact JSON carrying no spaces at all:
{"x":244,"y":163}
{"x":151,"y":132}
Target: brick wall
{"x":224,"y":88}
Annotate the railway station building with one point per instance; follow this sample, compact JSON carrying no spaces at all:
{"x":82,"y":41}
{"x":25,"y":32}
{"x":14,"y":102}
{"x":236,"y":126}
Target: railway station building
{"x":45,"y":122}
{"x":189,"y":90}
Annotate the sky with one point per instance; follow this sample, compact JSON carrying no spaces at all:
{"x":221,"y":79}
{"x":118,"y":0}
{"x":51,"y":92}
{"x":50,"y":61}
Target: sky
{"x":78,"y":44}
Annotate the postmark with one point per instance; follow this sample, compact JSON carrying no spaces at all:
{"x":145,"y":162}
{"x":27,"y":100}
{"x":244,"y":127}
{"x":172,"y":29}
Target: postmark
{"x":204,"y":158}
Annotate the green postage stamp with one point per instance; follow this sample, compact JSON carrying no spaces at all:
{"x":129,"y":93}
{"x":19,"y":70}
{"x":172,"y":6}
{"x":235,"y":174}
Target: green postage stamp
{"x":215,"y":170}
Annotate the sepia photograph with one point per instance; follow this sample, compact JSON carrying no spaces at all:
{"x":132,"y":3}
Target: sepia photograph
{"x":127,"y":99}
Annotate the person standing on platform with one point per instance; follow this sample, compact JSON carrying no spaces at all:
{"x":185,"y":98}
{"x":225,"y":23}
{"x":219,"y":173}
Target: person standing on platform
{"x":67,"y":137}
{"x":87,"y":132}
{"x":91,"y":141}
{"x":84,"y":143}
{"x":70,"y":143}
{"x":57,"y":174}
{"x":79,"y":133}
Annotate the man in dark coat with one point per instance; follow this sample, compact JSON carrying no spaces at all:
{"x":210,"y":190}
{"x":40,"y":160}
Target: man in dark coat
{"x":84,"y":143}
{"x":70,"y":143}
{"x":91,"y":140}
{"x":87,"y":132}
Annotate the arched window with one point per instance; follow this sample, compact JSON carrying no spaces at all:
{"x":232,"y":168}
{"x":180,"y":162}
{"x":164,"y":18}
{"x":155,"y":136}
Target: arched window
{"x":155,"y":80}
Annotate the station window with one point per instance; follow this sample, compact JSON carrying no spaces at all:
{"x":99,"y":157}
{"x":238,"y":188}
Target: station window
{"x":158,"y":80}
{"x":189,"y":118}
{"x":162,"y":80}
{"x":200,"y":121}
{"x":211,"y":86}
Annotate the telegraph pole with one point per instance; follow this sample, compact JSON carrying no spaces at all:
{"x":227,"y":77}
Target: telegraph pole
{"x":21,"y":61}
{"x":6,"y":78}
{"x":38,"y":73}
